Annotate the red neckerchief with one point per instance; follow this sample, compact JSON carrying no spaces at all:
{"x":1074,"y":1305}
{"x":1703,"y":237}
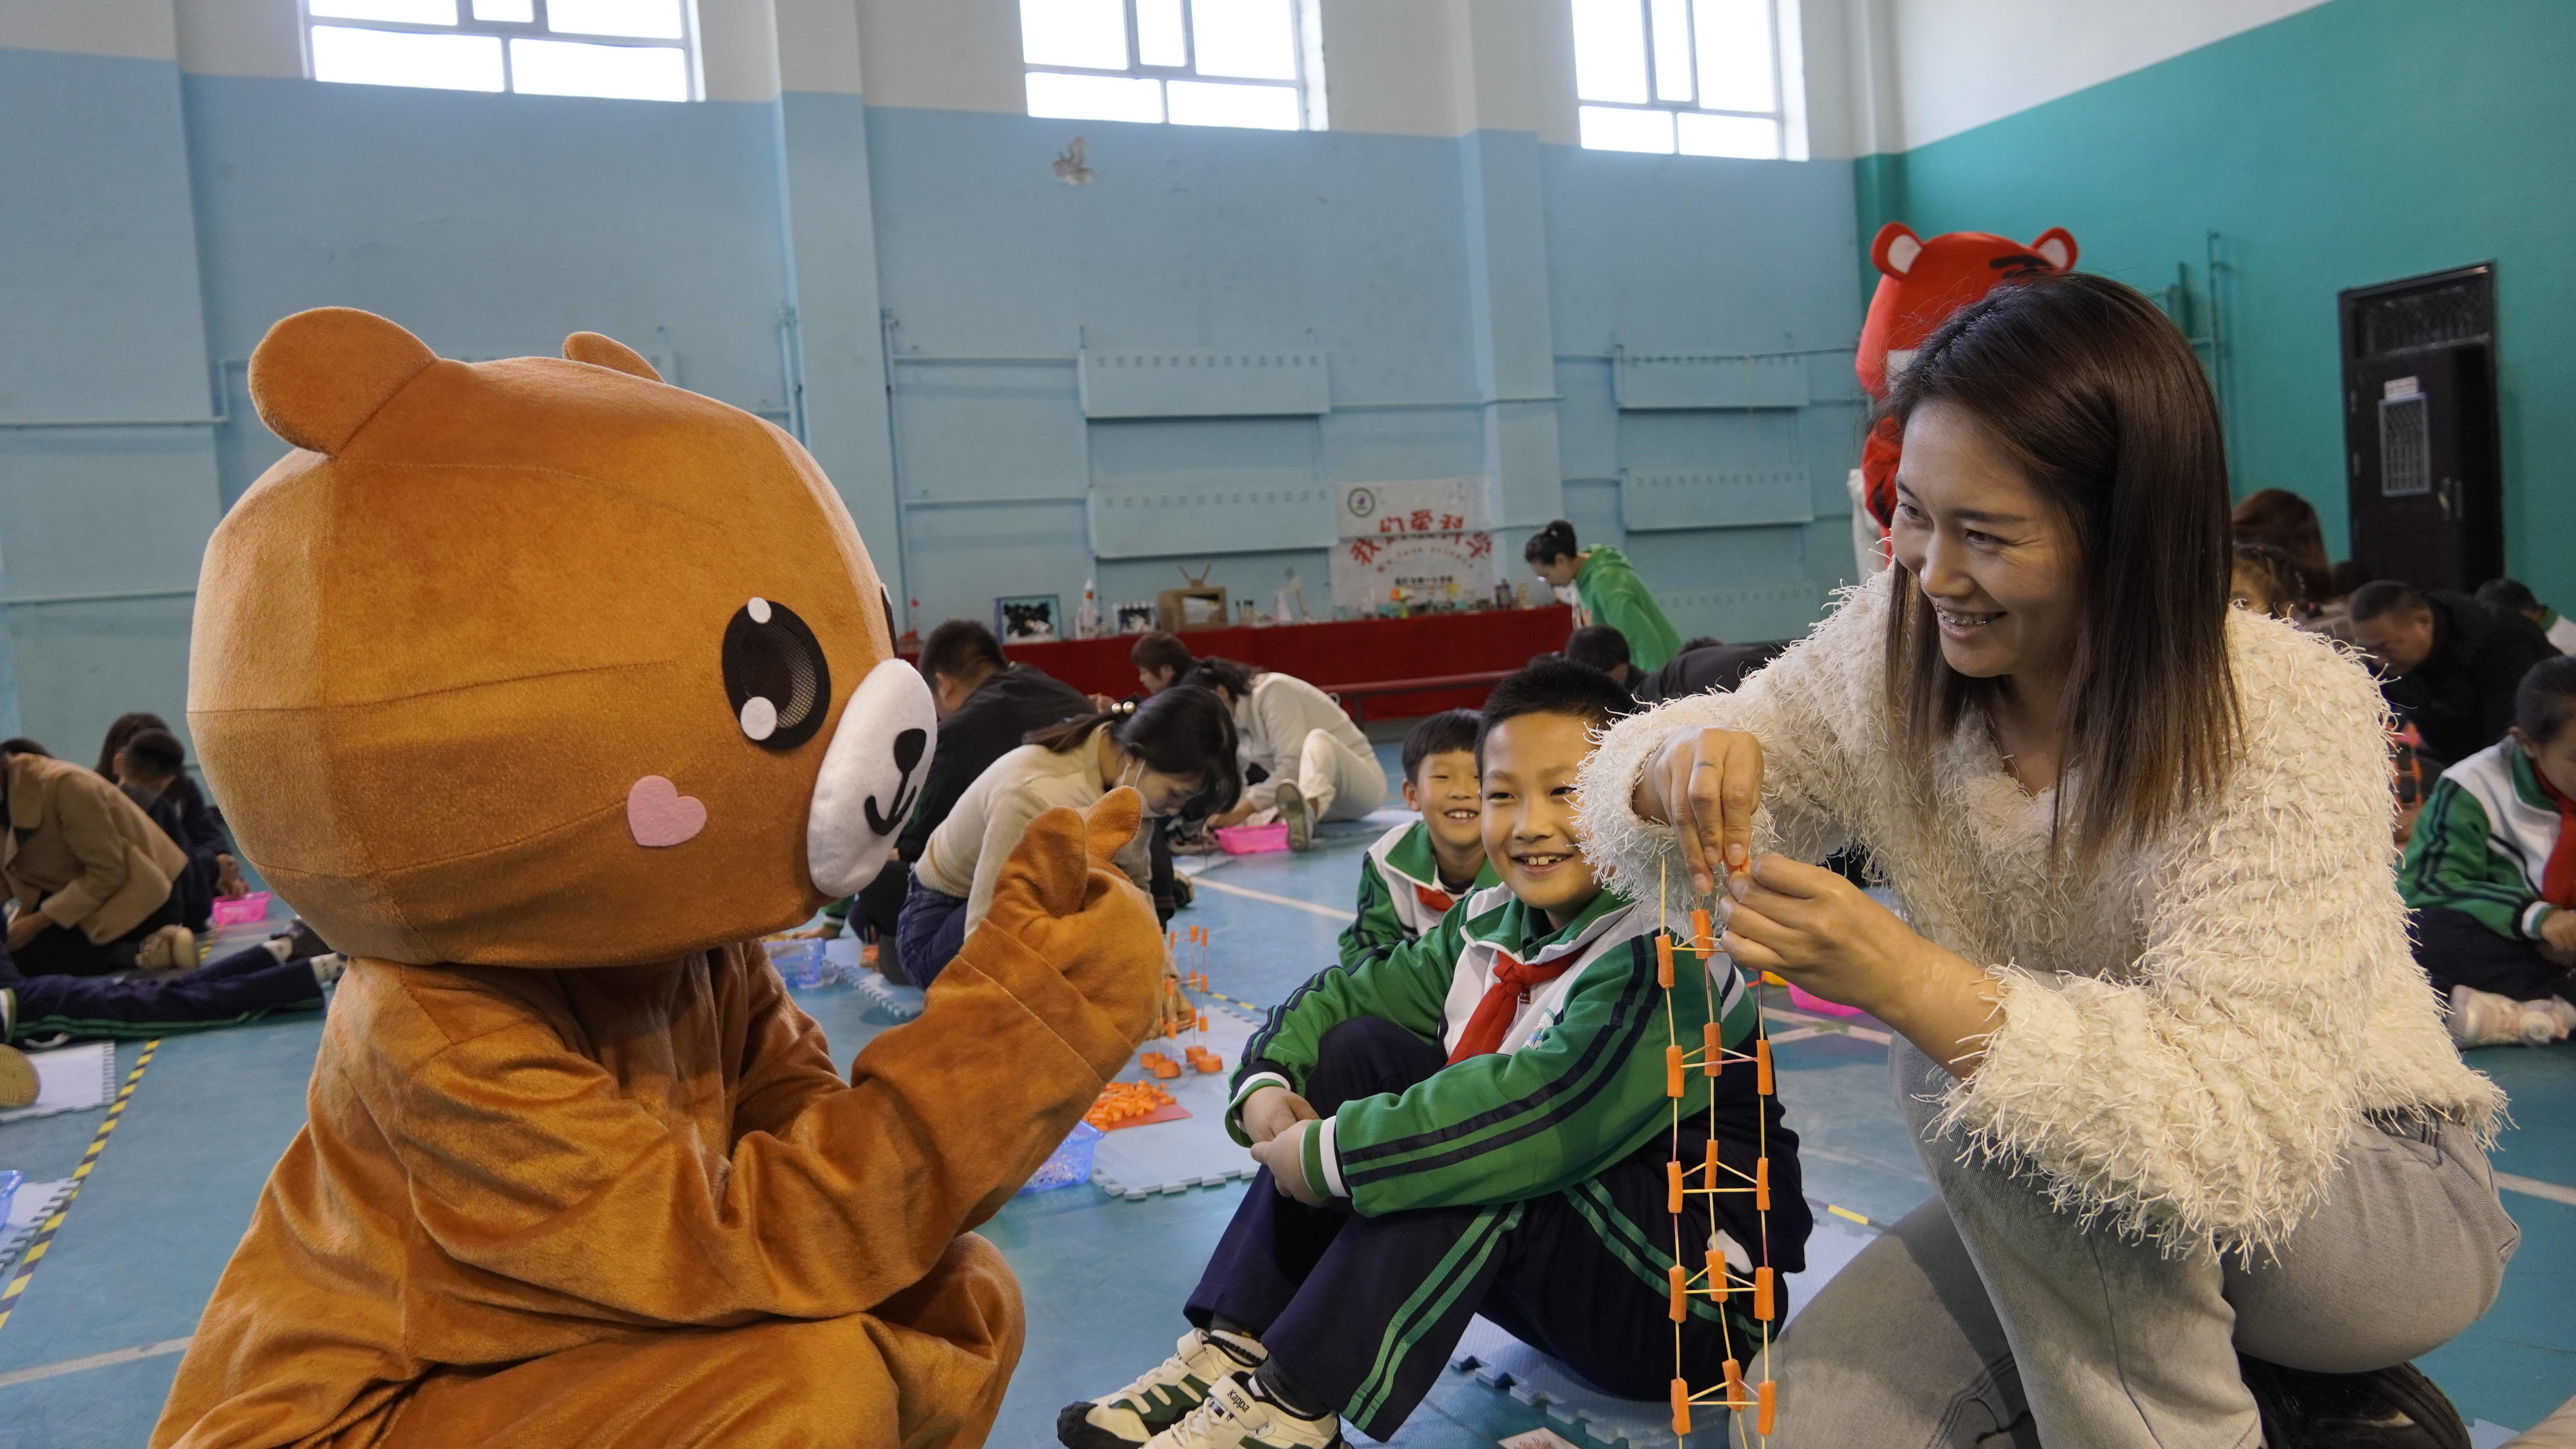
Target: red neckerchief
{"x":1438,"y":900}
{"x":1512,"y":983}
{"x":2558,"y":878}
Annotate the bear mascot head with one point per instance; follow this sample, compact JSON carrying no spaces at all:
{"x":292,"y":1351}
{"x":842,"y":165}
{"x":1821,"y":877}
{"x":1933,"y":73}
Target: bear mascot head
{"x":1920,"y":284}
{"x":542,"y":662}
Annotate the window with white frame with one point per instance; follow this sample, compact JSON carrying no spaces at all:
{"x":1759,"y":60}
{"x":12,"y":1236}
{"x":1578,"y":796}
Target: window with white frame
{"x":1256,"y":63}
{"x":639,"y":50}
{"x":1701,"y":77}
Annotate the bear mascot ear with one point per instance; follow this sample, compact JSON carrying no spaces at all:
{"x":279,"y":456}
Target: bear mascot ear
{"x":610,"y":353}
{"x":318,"y":376}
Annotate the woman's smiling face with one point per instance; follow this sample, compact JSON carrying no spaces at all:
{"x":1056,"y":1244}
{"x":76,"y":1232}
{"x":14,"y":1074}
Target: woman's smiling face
{"x":1998,"y":564}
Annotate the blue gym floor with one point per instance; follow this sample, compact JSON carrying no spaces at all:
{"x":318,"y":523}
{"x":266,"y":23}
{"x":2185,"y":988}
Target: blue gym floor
{"x":87,"y":1355}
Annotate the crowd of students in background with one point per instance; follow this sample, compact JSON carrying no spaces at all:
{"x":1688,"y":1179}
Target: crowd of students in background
{"x":112,"y":874}
{"x":2482,"y":758}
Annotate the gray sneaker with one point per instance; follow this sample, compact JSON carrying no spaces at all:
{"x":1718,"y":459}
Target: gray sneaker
{"x":1301,"y":821}
{"x":1162,"y":1396}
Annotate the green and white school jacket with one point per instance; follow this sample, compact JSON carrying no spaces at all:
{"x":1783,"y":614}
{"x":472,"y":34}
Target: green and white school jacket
{"x":2482,"y":842}
{"x":1400,"y":893}
{"x":1577,"y":1086}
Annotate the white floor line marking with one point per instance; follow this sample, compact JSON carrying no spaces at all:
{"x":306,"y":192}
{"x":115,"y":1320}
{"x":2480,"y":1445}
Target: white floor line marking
{"x":1330,"y":913}
{"x":2534,"y":1187}
{"x":94,"y":1361}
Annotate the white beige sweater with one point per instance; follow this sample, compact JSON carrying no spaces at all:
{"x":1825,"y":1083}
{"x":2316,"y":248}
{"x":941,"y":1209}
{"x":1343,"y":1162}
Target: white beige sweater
{"x":966,"y":853}
{"x":2191,"y":1030}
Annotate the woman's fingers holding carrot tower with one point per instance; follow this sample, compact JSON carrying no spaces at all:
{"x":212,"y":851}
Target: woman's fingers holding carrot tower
{"x":1705,"y":783}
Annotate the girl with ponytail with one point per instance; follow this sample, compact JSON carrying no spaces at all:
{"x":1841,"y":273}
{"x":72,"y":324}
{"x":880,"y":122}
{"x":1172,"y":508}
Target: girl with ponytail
{"x":1176,"y":750}
{"x":1606,"y":591}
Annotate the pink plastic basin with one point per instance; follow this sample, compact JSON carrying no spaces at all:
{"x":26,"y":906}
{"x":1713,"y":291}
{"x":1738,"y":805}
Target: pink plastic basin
{"x":1253,"y":839}
{"x":242,"y":910}
{"x":1805,"y":1002}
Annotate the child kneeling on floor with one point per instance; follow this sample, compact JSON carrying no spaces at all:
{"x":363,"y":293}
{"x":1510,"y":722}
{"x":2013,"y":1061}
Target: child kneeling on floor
{"x":1418,"y":870}
{"x":1475,"y":1122}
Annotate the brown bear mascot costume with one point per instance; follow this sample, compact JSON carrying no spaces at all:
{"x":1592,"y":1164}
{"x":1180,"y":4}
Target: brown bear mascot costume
{"x":543,"y":688}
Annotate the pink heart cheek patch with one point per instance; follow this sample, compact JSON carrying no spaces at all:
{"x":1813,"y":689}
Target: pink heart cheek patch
{"x":658,"y":815}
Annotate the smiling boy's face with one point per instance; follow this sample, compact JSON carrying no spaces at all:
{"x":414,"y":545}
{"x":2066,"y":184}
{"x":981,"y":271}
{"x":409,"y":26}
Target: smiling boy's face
{"x":1530,"y":763}
{"x":1443,"y":788}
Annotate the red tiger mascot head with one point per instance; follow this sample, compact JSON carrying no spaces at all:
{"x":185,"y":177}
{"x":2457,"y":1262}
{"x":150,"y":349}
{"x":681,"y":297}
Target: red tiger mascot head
{"x":1920,"y":284}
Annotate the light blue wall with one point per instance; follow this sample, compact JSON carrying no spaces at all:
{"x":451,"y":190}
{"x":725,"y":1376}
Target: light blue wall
{"x":1442,"y":276}
{"x":1691,"y":254}
{"x":100,"y":527}
{"x":491,"y":226}
{"x":1447,"y":279}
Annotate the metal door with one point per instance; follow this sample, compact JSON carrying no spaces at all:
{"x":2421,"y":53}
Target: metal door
{"x":2420,"y":429}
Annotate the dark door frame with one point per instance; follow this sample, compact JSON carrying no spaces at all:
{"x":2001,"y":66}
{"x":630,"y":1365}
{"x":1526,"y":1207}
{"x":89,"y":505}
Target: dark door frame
{"x":2479,"y":334}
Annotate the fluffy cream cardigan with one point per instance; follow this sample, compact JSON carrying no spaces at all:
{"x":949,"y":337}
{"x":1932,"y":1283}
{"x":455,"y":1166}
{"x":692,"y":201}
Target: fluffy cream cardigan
{"x":2190,"y":1030}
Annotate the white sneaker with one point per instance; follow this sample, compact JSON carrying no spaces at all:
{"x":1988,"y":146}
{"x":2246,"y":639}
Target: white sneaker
{"x":1301,"y":821}
{"x":2484,"y":1018}
{"x":2540,"y":1024}
{"x":1237,"y":1415}
{"x":2561,"y":1011}
{"x":1161,"y":1396}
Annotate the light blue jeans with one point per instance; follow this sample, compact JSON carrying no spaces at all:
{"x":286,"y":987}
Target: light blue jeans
{"x":1987,"y":1318}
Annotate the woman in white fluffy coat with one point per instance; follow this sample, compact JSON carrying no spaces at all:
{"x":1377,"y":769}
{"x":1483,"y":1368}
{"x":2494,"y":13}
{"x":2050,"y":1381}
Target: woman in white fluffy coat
{"x":2180,"y":1088}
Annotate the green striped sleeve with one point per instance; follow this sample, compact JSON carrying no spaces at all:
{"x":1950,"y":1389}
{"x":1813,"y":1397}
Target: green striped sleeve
{"x":2452,"y":865}
{"x":1501,"y":1128}
{"x":1376,"y":928}
{"x":1406,"y":984}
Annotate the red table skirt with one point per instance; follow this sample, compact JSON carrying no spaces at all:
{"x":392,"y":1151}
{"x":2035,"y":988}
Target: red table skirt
{"x":1351,"y":652}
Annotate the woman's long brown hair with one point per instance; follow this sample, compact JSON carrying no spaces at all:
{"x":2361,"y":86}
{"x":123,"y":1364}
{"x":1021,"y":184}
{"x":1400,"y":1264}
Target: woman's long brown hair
{"x":2100,"y":403}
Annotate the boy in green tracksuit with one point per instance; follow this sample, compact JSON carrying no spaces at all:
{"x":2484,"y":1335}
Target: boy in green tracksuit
{"x":2490,"y":873}
{"x":1477,"y":1122}
{"x":1416,"y":872}
{"x":1609,"y":591}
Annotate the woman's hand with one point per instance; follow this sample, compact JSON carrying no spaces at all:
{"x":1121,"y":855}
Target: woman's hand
{"x":1820,"y":931}
{"x":1285,"y":1156}
{"x":1705,"y":783}
{"x":1270,"y":1111}
{"x":26,"y":927}
{"x":1242,"y":811}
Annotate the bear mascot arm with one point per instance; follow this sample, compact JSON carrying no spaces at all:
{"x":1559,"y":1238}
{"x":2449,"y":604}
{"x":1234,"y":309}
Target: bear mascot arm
{"x":834,"y":1196}
{"x":544,"y":689}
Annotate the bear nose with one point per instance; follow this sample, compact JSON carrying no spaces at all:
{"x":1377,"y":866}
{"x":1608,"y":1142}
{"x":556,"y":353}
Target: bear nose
{"x":871,"y":776}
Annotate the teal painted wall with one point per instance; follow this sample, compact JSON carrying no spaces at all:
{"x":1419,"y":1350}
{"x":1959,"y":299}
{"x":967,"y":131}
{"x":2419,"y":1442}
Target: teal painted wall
{"x":2358,"y":142}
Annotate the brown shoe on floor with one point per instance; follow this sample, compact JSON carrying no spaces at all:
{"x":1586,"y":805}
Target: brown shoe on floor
{"x":172,"y":948}
{"x":17,"y":1078}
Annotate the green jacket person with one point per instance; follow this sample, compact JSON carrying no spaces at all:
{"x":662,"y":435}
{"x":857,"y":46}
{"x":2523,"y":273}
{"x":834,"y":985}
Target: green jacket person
{"x":1609,"y":590}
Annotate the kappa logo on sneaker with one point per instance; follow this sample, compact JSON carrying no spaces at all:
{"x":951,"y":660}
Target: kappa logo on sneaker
{"x":1236,"y":1417}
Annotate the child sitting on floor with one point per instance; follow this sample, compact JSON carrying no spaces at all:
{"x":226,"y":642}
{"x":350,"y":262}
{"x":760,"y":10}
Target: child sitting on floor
{"x":151,"y":768}
{"x":1476,"y":1122}
{"x":285,"y":973}
{"x":2491,"y":874}
{"x":1417,"y":871}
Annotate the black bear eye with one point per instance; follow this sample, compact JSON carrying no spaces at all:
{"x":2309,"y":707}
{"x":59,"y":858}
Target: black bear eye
{"x":775,"y":676}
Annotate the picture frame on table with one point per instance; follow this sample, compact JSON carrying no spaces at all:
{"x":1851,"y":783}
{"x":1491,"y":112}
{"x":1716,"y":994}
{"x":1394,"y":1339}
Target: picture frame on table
{"x":1029,"y":618}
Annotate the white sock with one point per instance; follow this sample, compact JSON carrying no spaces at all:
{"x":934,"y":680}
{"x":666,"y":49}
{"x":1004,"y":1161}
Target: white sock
{"x":327,"y":967}
{"x":281,"y":947}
